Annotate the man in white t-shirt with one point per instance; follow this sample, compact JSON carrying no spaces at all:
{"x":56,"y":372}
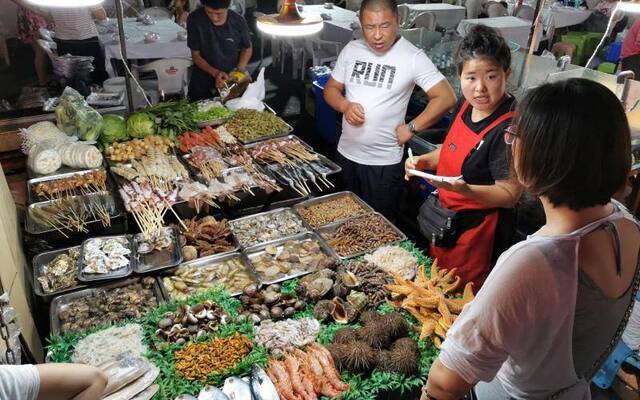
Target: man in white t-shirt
{"x":371,"y":86}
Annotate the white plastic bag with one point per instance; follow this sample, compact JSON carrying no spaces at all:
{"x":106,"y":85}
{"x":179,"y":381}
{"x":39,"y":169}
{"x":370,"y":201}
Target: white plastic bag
{"x":252,"y":97}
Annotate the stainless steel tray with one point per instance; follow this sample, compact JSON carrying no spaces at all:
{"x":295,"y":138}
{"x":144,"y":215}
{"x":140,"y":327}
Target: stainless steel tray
{"x":328,"y":229}
{"x":60,"y":303}
{"x":234,"y":242}
{"x":235,"y":222}
{"x":331,"y":197}
{"x":159,"y":259}
{"x":60,"y":171}
{"x":256,"y":251}
{"x":206,"y":262}
{"x":277,"y":135}
{"x":33,"y":182}
{"x":39,"y":263}
{"x":287,"y":137}
{"x":118,"y":274}
{"x":35,"y":228}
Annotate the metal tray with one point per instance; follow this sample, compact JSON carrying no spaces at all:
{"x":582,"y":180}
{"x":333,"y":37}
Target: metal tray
{"x":331,"y":197}
{"x":118,"y":274}
{"x":234,"y":242}
{"x":327,"y":229}
{"x":60,"y":303}
{"x":35,"y":228}
{"x":162,"y":259}
{"x":256,"y":251}
{"x":213,"y":122}
{"x":277,"y":135}
{"x":39,"y":263}
{"x":209,"y":261}
{"x":33,"y":182}
{"x":60,"y":171}
{"x":234,"y":222}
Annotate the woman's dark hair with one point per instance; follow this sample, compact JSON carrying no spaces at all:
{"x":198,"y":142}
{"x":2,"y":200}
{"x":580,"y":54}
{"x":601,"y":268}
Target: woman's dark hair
{"x":483,"y":42}
{"x":573,"y":144}
{"x":216,"y":4}
{"x":372,"y":4}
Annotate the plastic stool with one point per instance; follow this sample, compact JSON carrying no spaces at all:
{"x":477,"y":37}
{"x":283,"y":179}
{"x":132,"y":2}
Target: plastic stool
{"x":613,"y":52}
{"x":605,"y":376}
{"x":607,"y":68}
{"x":560,"y":49}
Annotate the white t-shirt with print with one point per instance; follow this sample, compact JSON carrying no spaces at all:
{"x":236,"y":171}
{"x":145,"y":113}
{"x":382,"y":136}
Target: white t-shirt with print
{"x":382,"y":84}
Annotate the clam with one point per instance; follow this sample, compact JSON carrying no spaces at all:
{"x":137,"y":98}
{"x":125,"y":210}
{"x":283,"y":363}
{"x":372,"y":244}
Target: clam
{"x":343,"y":312}
{"x":319,"y":287}
{"x":164,"y":323}
{"x":250,"y":290}
{"x":271,"y":297}
{"x":289,"y":311}
{"x":323,"y":310}
{"x":358,"y":300}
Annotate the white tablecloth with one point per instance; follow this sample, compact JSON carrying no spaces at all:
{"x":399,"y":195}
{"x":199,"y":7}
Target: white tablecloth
{"x":339,"y":27}
{"x":513,"y":29}
{"x":447,"y":15}
{"x":167,"y":46}
{"x":558,"y":17}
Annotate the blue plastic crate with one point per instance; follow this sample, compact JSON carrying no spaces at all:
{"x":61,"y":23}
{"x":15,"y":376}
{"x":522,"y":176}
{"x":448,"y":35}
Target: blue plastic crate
{"x":613,"y":52}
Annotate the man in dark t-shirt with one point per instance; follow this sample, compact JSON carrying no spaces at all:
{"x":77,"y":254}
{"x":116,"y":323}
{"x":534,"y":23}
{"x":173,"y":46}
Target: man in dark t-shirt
{"x":219,"y":42}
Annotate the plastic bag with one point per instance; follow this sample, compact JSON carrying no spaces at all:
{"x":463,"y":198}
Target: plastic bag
{"x":76,"y":118}
{"x":137,"y":386}
{"x":252,"y":97}
{"x":44,"y":159}
{"x":124,"y":371}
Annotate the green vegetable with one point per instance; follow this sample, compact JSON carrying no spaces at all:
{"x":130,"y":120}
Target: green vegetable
{"x":140,"y":124}
{"x":210,"y":114}
{"x":173,"y":117}
{"x":114,"y":129}
{"x":76,"y":118}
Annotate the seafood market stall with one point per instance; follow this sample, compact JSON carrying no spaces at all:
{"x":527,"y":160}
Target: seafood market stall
{"x":213,"y":247}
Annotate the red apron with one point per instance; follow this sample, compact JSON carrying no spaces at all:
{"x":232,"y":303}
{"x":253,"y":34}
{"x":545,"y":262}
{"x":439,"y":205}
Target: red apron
{"x":474,"y":249}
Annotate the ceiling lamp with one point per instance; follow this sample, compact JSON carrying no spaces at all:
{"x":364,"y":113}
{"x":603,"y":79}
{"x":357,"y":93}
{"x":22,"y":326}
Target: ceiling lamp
{"x":289,"y":22}
{"x":64,"y":3}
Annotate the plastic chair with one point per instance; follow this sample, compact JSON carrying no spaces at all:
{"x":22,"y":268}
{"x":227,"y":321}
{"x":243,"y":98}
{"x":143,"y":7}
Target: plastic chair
{"x":46,"y":34}
{"x":560,"y":49}
{"x":157,"y":12}
{"x":273,"y":41}
{"x":413,"y":35}
{"x":495,"y":10}
{"x":425,"y":20}
{"x":293,"y":47}
{"x":405,"y":16}
{"x":353,"y":5}
{"x":525,"y":12}
{"x":172,"y":74}
{"x":320,"y":52}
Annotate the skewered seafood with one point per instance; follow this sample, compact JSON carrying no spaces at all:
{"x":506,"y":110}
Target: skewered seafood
{"x":72,"y":214}
{"x":262,"y":228}
{"x":207,"y":237}
{"x":331,"y":210}
{"x":293,"y":257}
{"x":159,"y":169}
{"x":81,"y":184}
{"x":148,"y":205}
{"x":208,"y":161}
{"x":102,"y":306}
{"x":191,"y":279}
{"x":361,"y":234}
{"x":208,"y":137}
{"x":61,"y":272}
{"x":103,"y":256}
{"x":159,"y":241}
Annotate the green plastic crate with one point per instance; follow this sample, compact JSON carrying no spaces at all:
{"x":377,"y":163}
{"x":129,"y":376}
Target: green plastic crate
{"x":607,"y":67}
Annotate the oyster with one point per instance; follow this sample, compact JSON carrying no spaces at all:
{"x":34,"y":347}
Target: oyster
{"x":343,"y":312}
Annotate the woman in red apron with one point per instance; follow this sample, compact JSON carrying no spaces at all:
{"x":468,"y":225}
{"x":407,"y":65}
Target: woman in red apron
{"x":474,"y":150}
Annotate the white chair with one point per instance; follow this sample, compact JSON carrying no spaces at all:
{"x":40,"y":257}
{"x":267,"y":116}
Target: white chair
{"x":320,"y":52}
{"x":273,"y":41}
{"x":46,"y":34}
{"x":525,"y":12}
{"x":157,"y":12}
{"x":425,"y":20}
{"x":353,"y":5}
{"x":294,"y":48}
{"x":495,"y":9}
{"x":421,"y":37}
{"x":413,"y":35}
{"x":474,"y":8}
{"x":173,"y":74}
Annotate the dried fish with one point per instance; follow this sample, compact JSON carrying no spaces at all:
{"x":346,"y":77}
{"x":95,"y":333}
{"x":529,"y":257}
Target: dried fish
{"x":262,"y":228}
{"x":361,"y":234}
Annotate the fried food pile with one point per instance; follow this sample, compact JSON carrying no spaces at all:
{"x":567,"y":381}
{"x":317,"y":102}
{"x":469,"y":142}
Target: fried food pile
{"x":430,"y":300}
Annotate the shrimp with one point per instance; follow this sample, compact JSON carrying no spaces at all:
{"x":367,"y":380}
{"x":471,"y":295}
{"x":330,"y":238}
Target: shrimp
{"x":276,"y":370}
{"x":328,"y":367}
{"x":308,"y":380}
{"x":296,"y":379}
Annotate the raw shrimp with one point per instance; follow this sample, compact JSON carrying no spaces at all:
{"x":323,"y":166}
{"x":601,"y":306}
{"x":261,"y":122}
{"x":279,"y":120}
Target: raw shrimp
{"x":278,"y":371}
{"x":296,"y":379}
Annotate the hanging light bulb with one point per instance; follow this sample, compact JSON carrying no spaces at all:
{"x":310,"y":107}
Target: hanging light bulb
{"x":289,"y":22}
{"x":64,"y":3}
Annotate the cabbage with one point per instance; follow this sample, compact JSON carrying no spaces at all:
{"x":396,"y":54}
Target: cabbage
{"x":140,"y":125}
{"x":114,"y":129}
{"x":76,"y":118}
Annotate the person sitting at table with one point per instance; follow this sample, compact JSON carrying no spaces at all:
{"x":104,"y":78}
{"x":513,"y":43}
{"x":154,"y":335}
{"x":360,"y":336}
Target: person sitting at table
{"x":76,"y":34}
{"x":555,"y":305}
{"x":220,"y":43}
{"x":483,"y":196}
